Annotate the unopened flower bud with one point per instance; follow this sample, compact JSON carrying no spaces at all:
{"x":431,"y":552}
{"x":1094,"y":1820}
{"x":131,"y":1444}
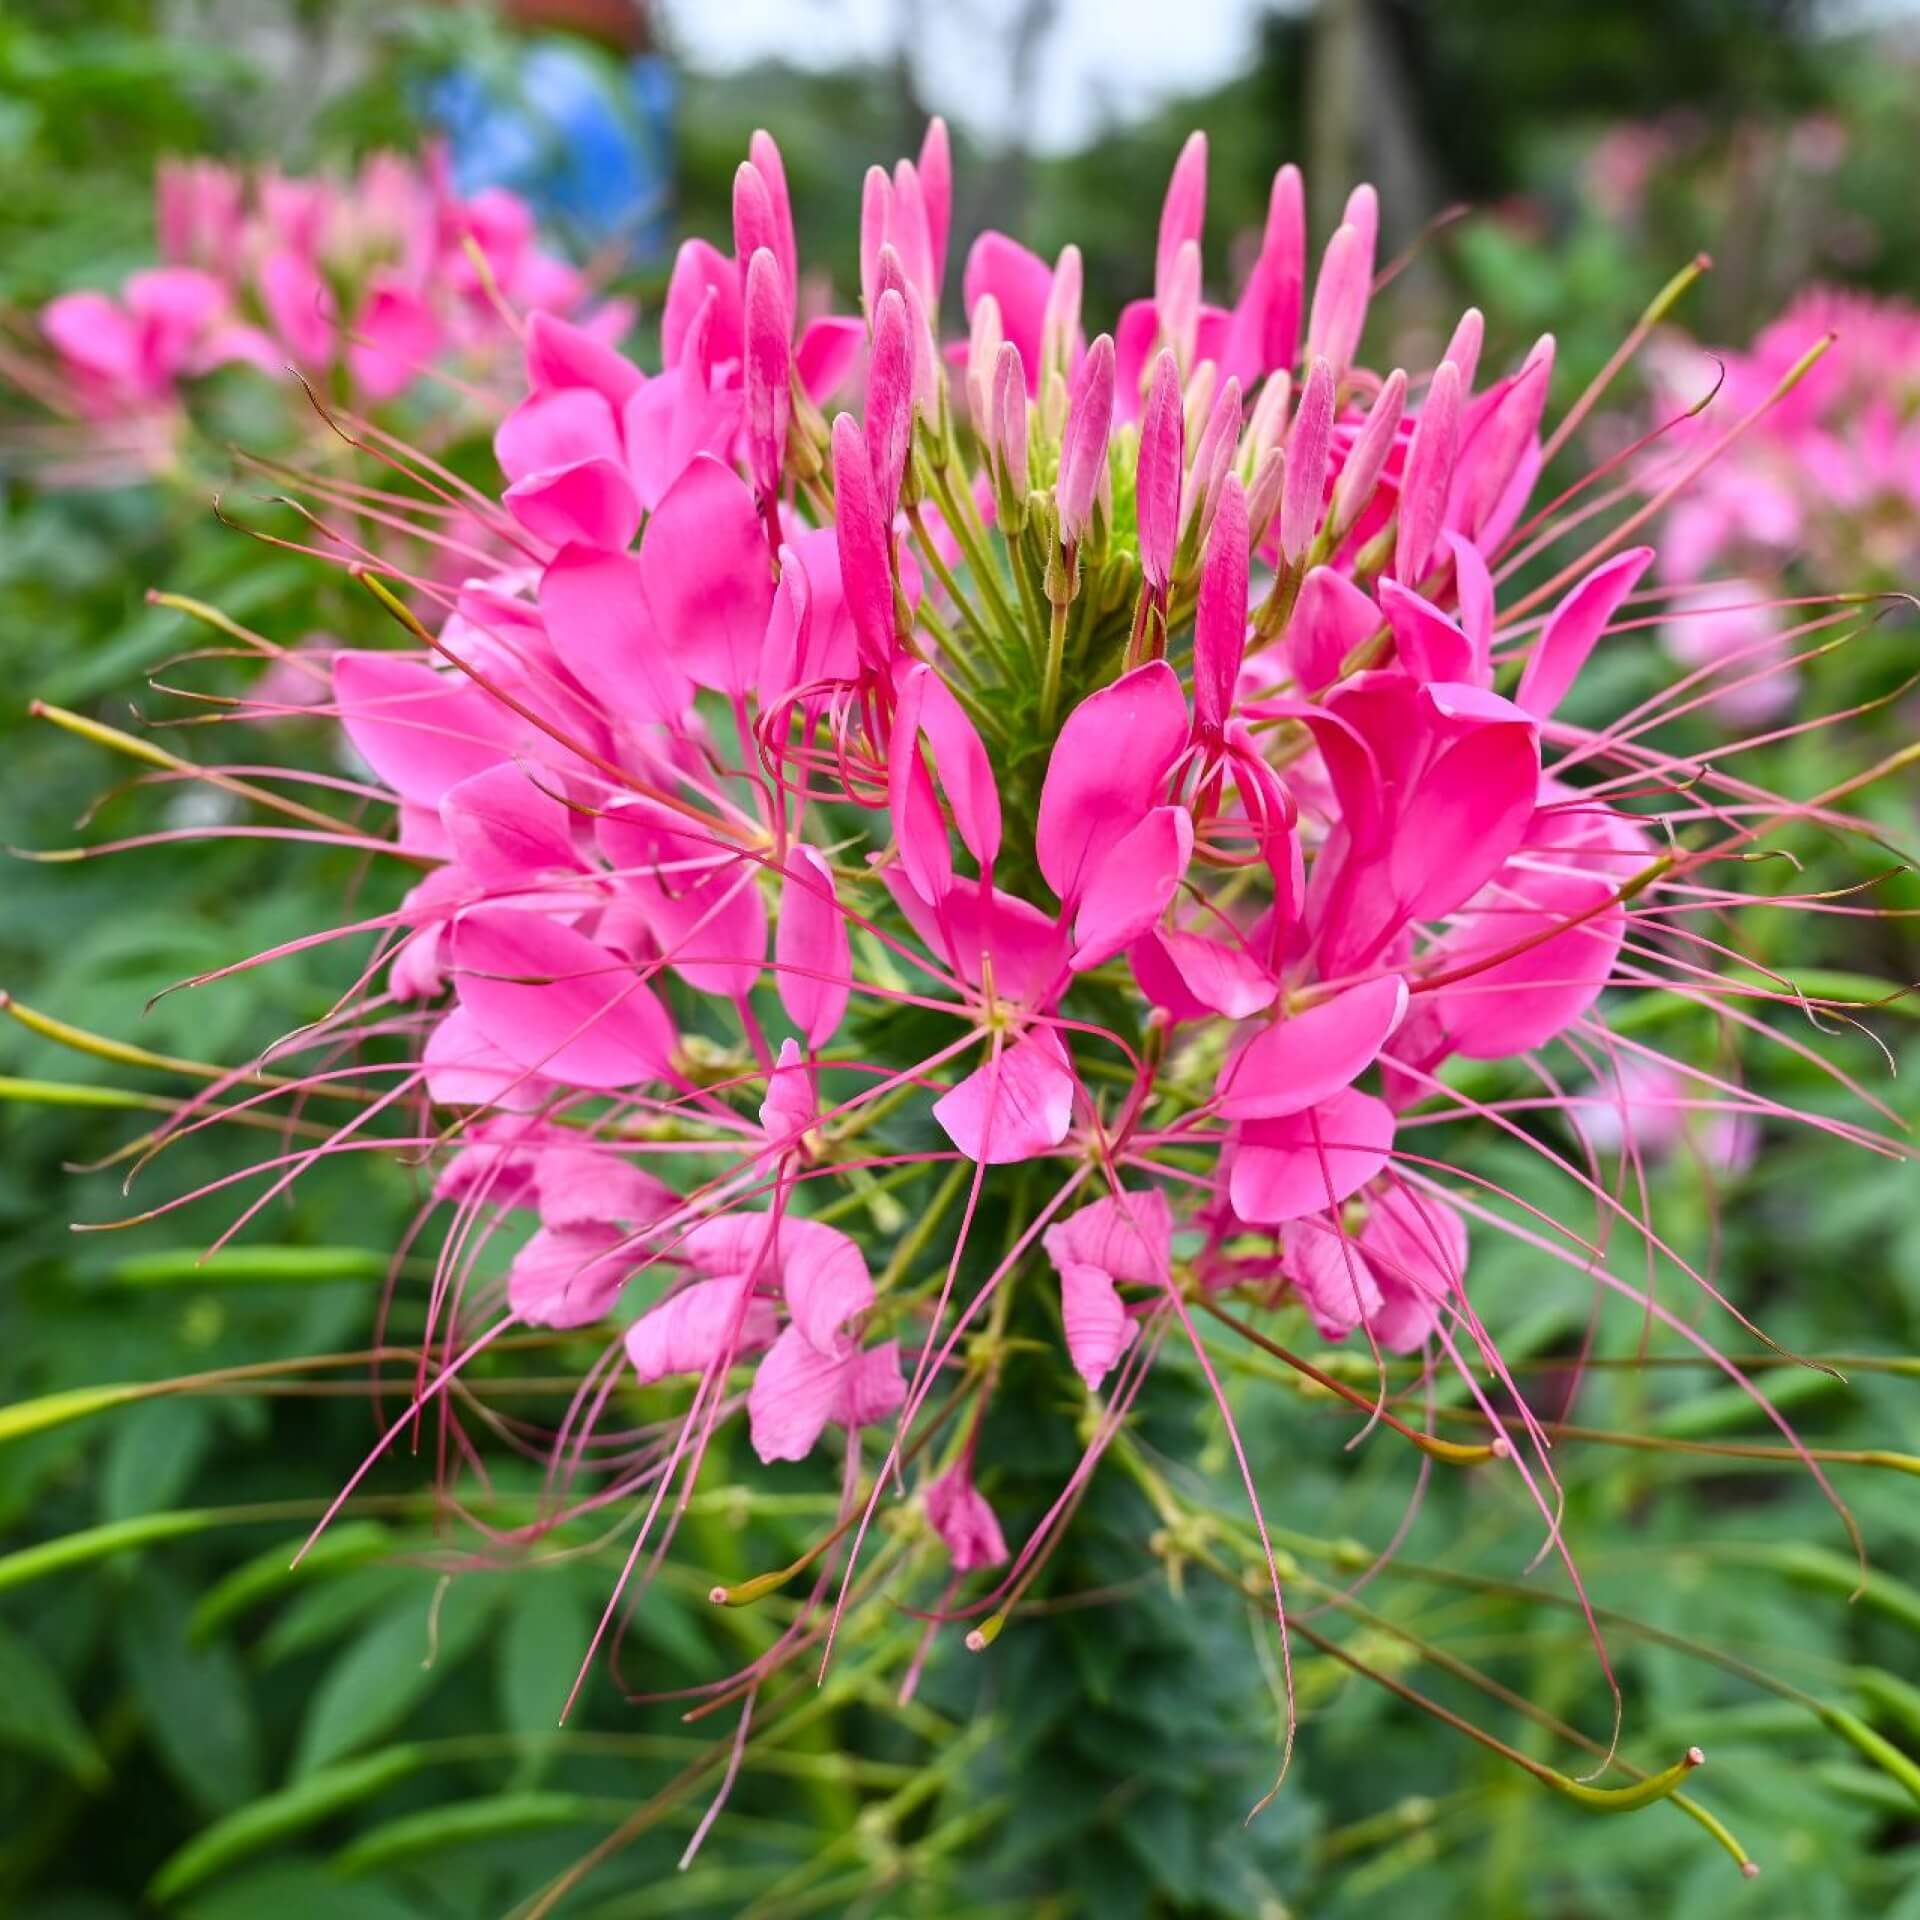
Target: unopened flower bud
{"x":1083,"y":445}
{"x":1159,"y":474}
{"x":1308,"y":444}
{"x":1367,"y":457}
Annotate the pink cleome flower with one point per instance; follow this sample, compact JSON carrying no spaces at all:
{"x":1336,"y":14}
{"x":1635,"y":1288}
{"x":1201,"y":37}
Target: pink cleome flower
{"x":1109,"y":786}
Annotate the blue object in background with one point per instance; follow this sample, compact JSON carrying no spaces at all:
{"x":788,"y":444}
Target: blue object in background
{"x":586,"y":139}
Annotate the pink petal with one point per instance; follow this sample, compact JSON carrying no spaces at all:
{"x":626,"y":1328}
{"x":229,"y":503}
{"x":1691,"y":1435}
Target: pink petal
{"x":1574,"y":627}
{"x":299,"y":305}
{"x":789,"y":1109}
{"x":828,"y":351}
{"x":1012,"y":1108}
{"x":556,"y":1002}
{"x":1305,"y":1059}
{"x":421,"y":731}
{"x":1521,"y":1002}
{"x":556,"y":429}
{"x":698,"y":1326}
{"x":825,"y":1278}
{"x":1028,"y":948}
{"x":1430,"y":646}
{"x":1098,"y":1329}
{"x":591,"y":502}
{"x":505,"y":831}
{"x":889,"y":425}
{"x":1128,"y":1235}
{"x":1428,"y":474}
{"x":1331,"y":1276}
{"x":708,"y":577}
{"x":1107,"y":771}
{"x":595,"y":606}
{"x":561,"y":355}
{"x":593,"y":1186}
{"x":569,"y":1277}
{"x":961,"y":762}
{"x":1331,"y":617}
{"x":397,"y":337}
{"x":700,"y":272}
{"x":919,"y":827}
{"x":1306,"y":1162}
{"x":700,"y":899}
{"x":797,"y":1390}
{"x":958,"y":1512}
{"x":1223,"y":975}
{"x":1132,"y":886}
{"x":465,"y":1069}
{"x":1020,"y":283}
{"x":811,"y":948}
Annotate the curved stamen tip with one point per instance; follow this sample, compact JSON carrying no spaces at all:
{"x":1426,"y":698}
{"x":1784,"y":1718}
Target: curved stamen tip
{"x":1696,"y":1758}
{"x":1750,"y":1869}
{"x":986,"y":1633}
{"x":717,"y":1596}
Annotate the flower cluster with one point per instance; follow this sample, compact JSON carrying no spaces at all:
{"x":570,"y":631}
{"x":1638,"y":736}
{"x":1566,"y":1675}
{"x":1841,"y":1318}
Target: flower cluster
{"x":1826,"y":482}
{"x":1109,"y":788}
{"x":364,"y":285}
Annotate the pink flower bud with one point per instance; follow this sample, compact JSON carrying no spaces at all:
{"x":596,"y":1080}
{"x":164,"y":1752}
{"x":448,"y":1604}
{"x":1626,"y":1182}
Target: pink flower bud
{"x":1267,"y":428}
{"x":1307,"y":448}
{"x":1060,"y":323}
{"x":1362,"y":214}
{"x":1464,"y":348}
{"x":936,"y":193}
{"x":1182,"y":212}
{"x":907,"y":231}
{"x":1428,"y":472}
{"x":765,"y":156}
{"x":862,"y":539}
{"x":876,"y":220}
{"x":1283,"y":255}
{"x":1213,"y":457}
{"x":1368,"y":455}
{"x":984,"y":339}
{"x":1180,"y":305}
{"x":1083,"y":446}
{"x":1008,"y":418}
{"x":768,"y":372}
{"x":754,"y":225}
{"x":1340,"y":297}
{"x":1163,"y":454}
{"x":1263,"y":495}
{"x":890,"y":400}
{"x":1220,"y":620}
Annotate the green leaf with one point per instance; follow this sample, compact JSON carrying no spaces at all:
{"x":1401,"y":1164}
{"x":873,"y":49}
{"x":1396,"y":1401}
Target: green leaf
{"x":300,"y":1889}
{"x":468,"y":1820}
{"x":540,"y":1649}
{"x":194,"y":1698}
{"x":378,"y":1681}
{"x":353,"y":1543}
{"x":280,"y":1815}
{"x":102,"y":1543}
{"x":153,"y":1455}
{"x":37,"y":1717}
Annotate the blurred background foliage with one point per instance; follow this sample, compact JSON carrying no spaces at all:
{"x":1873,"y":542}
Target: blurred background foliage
{"x":173,"y":1704}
